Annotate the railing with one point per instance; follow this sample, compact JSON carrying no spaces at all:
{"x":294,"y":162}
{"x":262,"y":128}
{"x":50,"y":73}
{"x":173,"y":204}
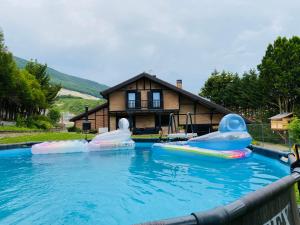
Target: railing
{"x":144,"y":104}
{"x":131,"y":104}
{"x":264,"y":136}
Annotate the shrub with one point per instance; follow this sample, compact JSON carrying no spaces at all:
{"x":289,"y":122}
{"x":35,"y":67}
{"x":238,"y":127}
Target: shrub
{"x":34,"y":122}
{"x":53,"y":115}
{"x":74,"y":129}
{"x":294,"y":129}
{"x":21,"y":121}
{"x":43,"y":124}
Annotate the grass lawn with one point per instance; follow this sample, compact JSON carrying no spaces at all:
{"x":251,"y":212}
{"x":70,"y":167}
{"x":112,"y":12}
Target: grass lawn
{"x":146,"y":136}
{"x":15,"y":128}
{"x":57,"y":136}
{"x":49,"y":136}
{"x":297,"y":194}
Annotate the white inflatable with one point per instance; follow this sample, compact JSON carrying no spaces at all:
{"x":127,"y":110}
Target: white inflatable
{"x":59,"y":147}
{"x":118,"y":139}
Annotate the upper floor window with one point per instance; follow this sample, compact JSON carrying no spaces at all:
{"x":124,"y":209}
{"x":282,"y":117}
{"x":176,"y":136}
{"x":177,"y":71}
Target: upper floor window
{"x":156,"y":99}
{"x":131,"y":100}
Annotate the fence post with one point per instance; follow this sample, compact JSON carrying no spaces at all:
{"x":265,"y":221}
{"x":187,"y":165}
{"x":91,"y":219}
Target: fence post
{"x":262,"y":134}
{"x":289,"y":140}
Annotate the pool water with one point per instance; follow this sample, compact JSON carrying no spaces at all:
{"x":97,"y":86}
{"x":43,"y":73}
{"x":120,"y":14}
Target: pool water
{"x":123,"y":187}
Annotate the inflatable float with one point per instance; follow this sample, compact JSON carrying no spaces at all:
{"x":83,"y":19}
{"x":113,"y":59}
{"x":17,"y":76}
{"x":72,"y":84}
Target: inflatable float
{"x":119,"y":139}
{"x":230,"y":141}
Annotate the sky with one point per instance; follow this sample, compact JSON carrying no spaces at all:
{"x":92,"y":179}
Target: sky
{"x":111,"y":41}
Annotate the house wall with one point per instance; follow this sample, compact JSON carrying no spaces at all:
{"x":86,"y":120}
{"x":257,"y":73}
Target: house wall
{"x":117,"y":99}
{"x":112,"y":122}
{"x":145,"y":121}
{"x":170,"y":99}
{"x":98,"y":119}
{"x":202,"y":115}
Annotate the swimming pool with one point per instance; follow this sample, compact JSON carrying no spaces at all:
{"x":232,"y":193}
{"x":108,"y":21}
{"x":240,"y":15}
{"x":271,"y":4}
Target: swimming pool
{"x":123,"y":187}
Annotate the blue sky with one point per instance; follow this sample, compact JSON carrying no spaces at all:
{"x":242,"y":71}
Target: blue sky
{"x":110,"y":41}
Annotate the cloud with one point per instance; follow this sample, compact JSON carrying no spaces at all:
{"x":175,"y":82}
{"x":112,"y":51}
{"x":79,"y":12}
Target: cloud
{"x":110,"y":41}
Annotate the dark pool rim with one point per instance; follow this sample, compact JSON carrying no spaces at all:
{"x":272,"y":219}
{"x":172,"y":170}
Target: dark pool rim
{"x":270,"y":205}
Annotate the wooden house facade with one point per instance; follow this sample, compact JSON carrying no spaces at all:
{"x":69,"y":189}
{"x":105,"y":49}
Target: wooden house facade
{"x":147,"y":102}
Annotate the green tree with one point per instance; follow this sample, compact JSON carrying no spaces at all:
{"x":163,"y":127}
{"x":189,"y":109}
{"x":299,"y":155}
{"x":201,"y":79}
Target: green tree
{"x":294,"y":129}
{"x":221,"y":88}
{"x":280,"y":73}
{"x":54,"y":115}
{"x":8,"y":72}
{"x":240,"y":94}
{"x":40,"y":73}
{"x":21,"y":93}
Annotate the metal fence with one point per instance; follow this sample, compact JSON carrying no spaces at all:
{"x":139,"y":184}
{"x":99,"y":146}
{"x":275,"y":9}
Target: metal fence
{"x":264,"y":136}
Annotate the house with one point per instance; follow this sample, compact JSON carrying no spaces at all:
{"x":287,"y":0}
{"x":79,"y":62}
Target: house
{"x":147,"y":102}
{"x":280,"y":122}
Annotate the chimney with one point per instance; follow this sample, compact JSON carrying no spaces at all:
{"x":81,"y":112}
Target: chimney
{"x":179,"y":84}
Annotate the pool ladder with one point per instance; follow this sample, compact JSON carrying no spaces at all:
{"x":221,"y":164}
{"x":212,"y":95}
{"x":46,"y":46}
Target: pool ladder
{"x":173,"y":125}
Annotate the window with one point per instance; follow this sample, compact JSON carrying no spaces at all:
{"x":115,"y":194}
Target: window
{"x":156,"y":99}
{"x":131,"y":100}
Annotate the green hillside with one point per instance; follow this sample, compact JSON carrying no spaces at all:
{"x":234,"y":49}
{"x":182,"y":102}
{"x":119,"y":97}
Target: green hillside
{"x":68,"y":81}
{"x":75,"y":105}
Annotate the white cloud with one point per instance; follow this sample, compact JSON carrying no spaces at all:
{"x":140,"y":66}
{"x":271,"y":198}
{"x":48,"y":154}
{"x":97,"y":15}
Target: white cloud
{"x":109,"y":41}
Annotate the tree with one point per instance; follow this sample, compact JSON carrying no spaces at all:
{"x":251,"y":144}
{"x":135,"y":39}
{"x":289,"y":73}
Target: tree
{"x":294,"y":129}
{"x":280,"y":73}
{"x":54,"y":115}
{"x":23,"y":93}
{"x":221,"y":88}
{"x":8,"y":71}
{"x":239,"y":94}
{"x":40,"y":73}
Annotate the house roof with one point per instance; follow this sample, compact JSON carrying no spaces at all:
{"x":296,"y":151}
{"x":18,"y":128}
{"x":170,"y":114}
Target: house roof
{"x":281,"y":116}
{"x":89,"y":112}
{"x":183,"y":92}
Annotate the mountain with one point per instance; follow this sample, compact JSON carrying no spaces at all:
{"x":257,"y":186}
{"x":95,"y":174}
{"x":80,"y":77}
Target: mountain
{"x":68,"y":81}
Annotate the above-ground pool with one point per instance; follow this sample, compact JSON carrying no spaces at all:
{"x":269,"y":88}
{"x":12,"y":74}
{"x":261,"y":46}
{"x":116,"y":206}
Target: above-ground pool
{"x":123,"y":187}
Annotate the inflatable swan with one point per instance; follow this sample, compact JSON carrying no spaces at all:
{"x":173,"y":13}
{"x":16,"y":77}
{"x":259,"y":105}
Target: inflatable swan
{"x":118,"y":139}
{"x":230,"y":141}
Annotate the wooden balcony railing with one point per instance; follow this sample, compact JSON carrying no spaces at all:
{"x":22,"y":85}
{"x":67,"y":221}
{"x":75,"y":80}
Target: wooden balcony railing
{"x":144,"y":104}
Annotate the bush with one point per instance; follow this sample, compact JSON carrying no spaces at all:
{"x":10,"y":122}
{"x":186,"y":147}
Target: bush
{"x":74,"y":129}
{"x":54,"y":116}
{"x":34,"y":122}
{"x":21,"y":121}
{"x":294,"y":129}
{"x":43,"y":124}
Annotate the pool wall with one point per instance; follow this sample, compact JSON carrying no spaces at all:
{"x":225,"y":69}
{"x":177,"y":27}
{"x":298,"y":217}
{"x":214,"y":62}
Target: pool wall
{"x":272,"y":205}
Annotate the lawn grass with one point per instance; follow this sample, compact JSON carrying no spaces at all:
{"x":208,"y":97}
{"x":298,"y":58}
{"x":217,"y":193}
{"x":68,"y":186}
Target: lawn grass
{"x":15,"y":128}
{"x":49,"y":136}
{"x":58,"y":136}
{"x":146,"y":136}
{"x":297,"y":194}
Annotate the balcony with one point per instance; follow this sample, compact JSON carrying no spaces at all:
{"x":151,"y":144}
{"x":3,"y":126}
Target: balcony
{"x":144,"y":105}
